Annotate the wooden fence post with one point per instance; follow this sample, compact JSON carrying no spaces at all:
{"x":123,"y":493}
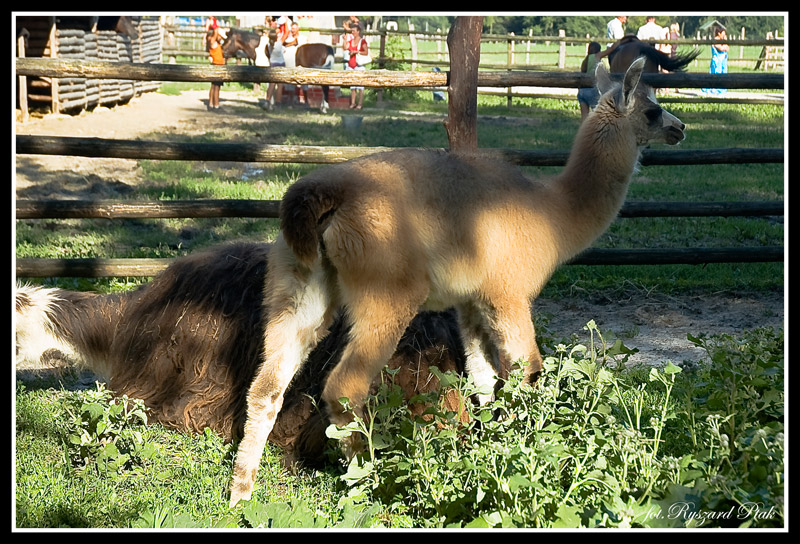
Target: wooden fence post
{"x":510,"y":64}
{"x":464,"y":44}
{"x":54,"y":83}
{"x":381,"y":63}
{"x":412,"y":37}
{"x":22,"y":86}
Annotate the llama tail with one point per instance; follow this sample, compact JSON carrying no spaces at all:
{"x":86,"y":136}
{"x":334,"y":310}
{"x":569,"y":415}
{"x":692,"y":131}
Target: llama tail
{"x":46,"y":320}
{"x":304,"y":210}
{"x":36,"y":333}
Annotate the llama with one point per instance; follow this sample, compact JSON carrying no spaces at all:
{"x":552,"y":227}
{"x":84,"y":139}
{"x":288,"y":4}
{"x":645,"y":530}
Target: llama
{"x":384,"y":235}
{"x":189,"y":342}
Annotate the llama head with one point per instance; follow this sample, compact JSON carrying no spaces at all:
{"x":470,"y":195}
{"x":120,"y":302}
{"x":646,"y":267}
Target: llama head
{"x":636,"y":102}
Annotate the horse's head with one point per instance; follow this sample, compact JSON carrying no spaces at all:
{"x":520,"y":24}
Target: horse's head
{"x":125,"y":26}
{"x":229,"y":46}
{"x":235,"y":42}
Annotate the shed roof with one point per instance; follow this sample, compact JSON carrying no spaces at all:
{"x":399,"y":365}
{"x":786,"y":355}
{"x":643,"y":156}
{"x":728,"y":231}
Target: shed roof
{"x":713,"y":23}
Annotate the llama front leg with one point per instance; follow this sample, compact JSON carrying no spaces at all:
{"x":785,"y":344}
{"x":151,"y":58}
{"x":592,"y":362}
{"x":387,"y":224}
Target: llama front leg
{"x":480,"y":353}
{"x":512,"y":327}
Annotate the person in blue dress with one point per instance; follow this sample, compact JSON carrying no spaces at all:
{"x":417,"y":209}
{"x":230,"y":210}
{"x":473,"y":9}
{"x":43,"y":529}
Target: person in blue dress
{"x":719,"y":58}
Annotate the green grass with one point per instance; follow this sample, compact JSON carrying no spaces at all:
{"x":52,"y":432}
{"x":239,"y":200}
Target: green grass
{"x":591,"y":446}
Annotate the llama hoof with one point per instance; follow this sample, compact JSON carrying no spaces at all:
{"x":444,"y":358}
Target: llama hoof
{"x":351,"y":446}
{"x":240,"y":492}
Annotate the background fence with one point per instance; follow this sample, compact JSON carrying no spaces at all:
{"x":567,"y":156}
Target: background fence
{"x":65,"y":68}
{"x":428,"y":50}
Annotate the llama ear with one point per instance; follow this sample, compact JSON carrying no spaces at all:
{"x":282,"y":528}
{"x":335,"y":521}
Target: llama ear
{"x":602,"y":79}
{"x":632,"y":77}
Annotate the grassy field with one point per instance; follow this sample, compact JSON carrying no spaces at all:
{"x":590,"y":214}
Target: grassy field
{"x":592,"y":447}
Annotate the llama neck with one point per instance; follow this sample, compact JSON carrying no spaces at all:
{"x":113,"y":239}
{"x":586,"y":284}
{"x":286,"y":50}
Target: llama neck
{"x":595,"y":180}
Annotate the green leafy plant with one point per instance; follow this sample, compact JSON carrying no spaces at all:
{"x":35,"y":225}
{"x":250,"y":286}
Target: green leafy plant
{"x":106,"y":431}
{"x":732,"y":413}
{"x":590,"y":446}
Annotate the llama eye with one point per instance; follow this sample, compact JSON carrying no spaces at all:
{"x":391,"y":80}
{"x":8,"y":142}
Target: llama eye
{"x":652,"y":114}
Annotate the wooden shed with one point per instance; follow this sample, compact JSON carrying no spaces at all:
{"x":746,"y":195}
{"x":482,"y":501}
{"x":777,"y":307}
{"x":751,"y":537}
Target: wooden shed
{"x":117,"y":39}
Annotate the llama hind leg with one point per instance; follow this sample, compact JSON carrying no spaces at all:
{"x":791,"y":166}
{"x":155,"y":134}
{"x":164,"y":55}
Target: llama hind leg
{"x":300,"y":310}
{"x":377,"y":324}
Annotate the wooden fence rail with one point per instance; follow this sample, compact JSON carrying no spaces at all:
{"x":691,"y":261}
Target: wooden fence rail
{"x":205,"y":208}
{"x":99,"y":267}
{"x":248,"y":152}
{"x":72,"y":68}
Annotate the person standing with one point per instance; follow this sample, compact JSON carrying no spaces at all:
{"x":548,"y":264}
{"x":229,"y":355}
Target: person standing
{"x":357,"y":47}
{"x":719,"y":58}
{"x":615,"y":31}
{"x":275,"y":90}
{"x":650,"y":30}
{"x":674,"y":34}
{"x":211,"y":24}
{"x":347,"y":36}
{"x":290,"y":45}
{"x":214,"y":46}
{"x":589,"y":96}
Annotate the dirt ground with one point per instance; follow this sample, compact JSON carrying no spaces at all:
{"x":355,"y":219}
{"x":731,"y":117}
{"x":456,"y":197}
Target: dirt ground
{"x":656,"y":325}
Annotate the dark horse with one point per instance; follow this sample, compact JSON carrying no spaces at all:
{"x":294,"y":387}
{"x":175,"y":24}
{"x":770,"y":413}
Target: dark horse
{"x":315,"y":55}
{"x":242,"y":40}
{"x":630,"y":48}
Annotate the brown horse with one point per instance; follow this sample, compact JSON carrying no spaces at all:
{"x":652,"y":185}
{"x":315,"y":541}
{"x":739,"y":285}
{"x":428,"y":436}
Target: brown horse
{"x":630,"y":48}
{"x":241,"y":40}
{"x":315,"y":55}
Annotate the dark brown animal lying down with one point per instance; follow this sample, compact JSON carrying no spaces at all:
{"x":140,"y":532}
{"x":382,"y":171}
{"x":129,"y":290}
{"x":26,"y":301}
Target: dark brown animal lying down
{"x":189,"y":342}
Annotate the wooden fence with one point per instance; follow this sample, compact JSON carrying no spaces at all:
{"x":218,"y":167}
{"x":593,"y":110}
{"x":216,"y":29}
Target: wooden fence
{"x":518,"y":56}
{"x":92,"y":147}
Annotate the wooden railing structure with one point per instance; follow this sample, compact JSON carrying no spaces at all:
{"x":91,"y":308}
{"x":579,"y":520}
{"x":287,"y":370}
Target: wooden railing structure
{"x":518,"y":56}
{"x":93,"y":147}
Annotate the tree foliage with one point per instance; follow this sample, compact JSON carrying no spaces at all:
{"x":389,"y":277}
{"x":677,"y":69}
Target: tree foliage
{"x":756,"y":26}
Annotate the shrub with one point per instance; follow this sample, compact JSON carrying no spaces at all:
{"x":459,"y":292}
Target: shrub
{"x":590,"y":446}
{"x":105,"y":432}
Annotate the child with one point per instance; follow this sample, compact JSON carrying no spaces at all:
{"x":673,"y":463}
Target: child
{"x":588,"y":96}
{"x":214,"y":45}
{"x":719,"y":58}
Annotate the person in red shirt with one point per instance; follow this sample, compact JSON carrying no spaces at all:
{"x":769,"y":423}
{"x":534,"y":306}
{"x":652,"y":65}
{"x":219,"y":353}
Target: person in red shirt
{"x":357,"y":47}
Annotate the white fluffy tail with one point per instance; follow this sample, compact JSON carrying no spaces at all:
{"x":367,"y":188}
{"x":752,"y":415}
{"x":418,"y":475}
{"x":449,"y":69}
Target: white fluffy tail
{"x":39,"y":343}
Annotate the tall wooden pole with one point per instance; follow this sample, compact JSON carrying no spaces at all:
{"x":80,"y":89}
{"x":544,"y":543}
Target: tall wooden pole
{"x":464,"y":43}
